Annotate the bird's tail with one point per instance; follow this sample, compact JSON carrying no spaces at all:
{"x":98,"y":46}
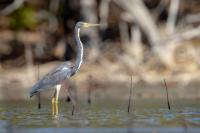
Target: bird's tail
{"x":33,"y":93}
{"x":34,"y":90}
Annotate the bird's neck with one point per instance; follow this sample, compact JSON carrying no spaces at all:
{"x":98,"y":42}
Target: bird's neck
{"x":79,"y":56}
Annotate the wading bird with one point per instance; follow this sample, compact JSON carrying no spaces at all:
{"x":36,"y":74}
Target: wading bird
{"x":56,"y":77}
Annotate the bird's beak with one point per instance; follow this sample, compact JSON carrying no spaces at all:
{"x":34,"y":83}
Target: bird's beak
{"x":86,"y":25}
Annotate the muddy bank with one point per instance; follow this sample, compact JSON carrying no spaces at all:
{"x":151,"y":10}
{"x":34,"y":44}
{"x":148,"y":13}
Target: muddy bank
{"x":112,"y":82}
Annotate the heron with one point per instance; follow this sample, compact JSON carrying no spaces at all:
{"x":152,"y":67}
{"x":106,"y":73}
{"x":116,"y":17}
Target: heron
{"x":55,"y":78}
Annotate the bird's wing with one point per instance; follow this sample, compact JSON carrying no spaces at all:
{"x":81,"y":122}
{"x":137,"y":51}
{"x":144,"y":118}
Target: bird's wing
{"x":56,"y":76}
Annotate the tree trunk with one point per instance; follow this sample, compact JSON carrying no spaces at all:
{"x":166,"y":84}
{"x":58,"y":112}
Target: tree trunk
{"x":88,"y":8}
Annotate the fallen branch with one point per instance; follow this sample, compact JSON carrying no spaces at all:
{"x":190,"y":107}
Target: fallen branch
{"x":172,"y":16}
{"x":12,"y":7}
{"x":182,"y":36}
{"x":142,"y":16}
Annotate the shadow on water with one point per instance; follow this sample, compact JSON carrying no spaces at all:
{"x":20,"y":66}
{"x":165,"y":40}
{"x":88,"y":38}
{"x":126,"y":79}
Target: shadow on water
{"x":102,"y":116}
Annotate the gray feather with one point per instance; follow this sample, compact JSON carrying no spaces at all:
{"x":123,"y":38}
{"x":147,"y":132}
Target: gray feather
{"x":55,"y":77}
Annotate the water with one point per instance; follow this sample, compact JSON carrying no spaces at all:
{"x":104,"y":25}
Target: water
{"x":108,"y":116}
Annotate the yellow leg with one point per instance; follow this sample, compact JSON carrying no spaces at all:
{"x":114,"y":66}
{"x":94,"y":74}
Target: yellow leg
{"x":55,"y":100}
{"x":56,"y":107}
{"x":53,"y":105}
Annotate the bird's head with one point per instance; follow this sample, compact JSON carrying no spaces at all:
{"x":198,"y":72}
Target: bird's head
{"x":86,"y":25}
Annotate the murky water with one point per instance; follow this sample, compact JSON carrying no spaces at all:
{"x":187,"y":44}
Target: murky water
{"x":102,"y":116}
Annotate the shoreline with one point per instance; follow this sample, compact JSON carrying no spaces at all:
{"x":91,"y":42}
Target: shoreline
{"x":102,"y":82}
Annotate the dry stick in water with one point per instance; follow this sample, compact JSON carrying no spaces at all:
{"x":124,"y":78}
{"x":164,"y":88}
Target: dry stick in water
{"x":68,"y":88}
{"x":130,"y":122}
{"x":89,"y":90}
{"x":89,"y":96}
{"x":169,"y":107}
{"x":38,"y":95}
{"x":39,"y":103}
{"x":130,"y":96}
{"x":68,"y":99}
{"x":71,"y":100}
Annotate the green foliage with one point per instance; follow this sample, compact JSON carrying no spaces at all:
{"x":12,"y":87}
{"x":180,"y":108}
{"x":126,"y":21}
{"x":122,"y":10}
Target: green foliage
{"x":23,"y":18}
